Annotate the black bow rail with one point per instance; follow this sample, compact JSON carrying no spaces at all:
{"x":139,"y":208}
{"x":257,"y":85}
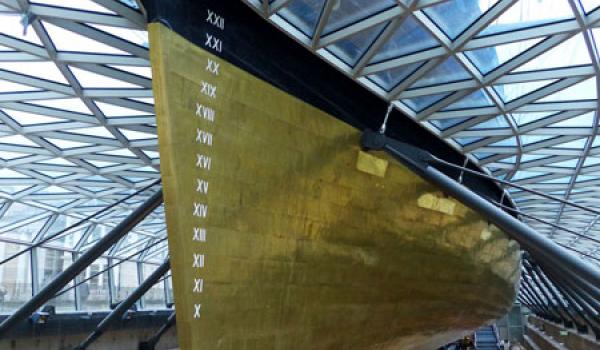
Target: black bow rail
{"x":556,"y":284}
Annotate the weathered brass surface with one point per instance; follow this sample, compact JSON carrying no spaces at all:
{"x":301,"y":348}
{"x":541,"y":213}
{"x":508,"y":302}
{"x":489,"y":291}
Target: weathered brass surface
{"x":301,"y":249}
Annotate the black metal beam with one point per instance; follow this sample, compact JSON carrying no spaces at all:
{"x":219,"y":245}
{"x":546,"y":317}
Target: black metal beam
{"x":81,"y":264}
{"x":123,"y":306}
{"x":542,"y":248}
{"x":150,"y":344}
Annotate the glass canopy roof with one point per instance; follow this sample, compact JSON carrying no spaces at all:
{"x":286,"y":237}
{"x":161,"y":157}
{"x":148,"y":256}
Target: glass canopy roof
{"x":513,"y":84}
{"x":510,"y":83}
{"x":77,"y":133}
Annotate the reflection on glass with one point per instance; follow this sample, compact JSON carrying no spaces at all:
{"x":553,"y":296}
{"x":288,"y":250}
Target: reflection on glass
{"x":51,"y":263}
{"x":15,"y":278}
{"x":352,"y":48}
{"x":453,"y":17}
{"x":409,"y":37}
{"x":125,"y":280}
{"x":93,"y":294}
{"x":303,"y":14}
{"x":155,"y":297}
{"x":529,"y":13}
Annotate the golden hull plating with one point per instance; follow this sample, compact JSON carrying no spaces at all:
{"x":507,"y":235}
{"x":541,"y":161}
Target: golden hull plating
{"x":282,"y":235}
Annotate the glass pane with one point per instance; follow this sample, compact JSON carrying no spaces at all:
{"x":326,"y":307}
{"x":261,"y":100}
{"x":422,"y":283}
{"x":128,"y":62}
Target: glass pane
{"x":489,"y":58}
{"x":51,"y":263}
{"x":529,"y":13}
{"x":509,"y":92}
{"x":586,"y":90}
{"x":570,"y":53}
{"x":303,"y":14}
{"x":409,"y":37}
{"x":498,"y":122}
{"x":169,"y":282}
{"x":448,"y":71}
{"x":590,"y":5}
{"x":15,"y":278}
{"x":444,"y":124}
{"x":125,"y":280}
{"x":352,"y":48}
{"x":346,"y":12}
{"x":93,"y":294}
{"x":155,"y":297}
{"x":476,"y":99}
{"x":455,"y":16}
{"x":584,"y":120}
{"x":389,"y":78}
{"x":418,"y":104}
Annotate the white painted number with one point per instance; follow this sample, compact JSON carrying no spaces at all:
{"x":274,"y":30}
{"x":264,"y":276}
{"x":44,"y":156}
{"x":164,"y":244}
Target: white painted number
{"x":203,"y":161}
{"x":215,"y":20}
{"x":208,"y":90}
{"x":202,"y":186}
{"x":204,"y":137}
{"x":198,"y":261}
{"x":198,"y":285}
{"x":212,"y":67}
{"x":197,"y":310}
{"x":213,"y":43}
{"x":205,"y":112}
{"x":200,"y":210}
{"x":199,"y":234}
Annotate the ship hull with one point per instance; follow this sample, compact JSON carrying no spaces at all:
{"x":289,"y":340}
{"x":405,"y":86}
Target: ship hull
{"x":305,"y":242}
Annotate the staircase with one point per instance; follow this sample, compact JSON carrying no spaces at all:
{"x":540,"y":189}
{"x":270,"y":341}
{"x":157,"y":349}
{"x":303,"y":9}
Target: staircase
{"x":485,"y":339}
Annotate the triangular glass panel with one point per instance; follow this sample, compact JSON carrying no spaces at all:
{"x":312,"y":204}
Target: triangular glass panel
{"x":350,"y":49}
{"x":590,"y":161}
{"x":531,"y":139}
{"x":418,"y":104}
{"x":498,"y":122}
{"x":475,"y":99}
{"x":409,"y":37}
{"x":56,"y":161}
{"x":145,"y":72}
{"x":584,"y":120}
{"x":6,"y":155}
{"x":101,"y":164}
{"x":17,"y":140}
{"x":53,"y":174}
{"x":489,"y":58}
{"x":137,"y":135}
{"x":509,"y":92}
{"x":529,"y":13}
{"x":510,"y":160}
{"x":6,"y":173}
{"x":590,"y":5}
{"x":345,"y":13}
{"x":388,"y":79}
{"x":482,"y":155}
{"x":85,"y":5}
{"x":89,"y":79}
{"x":27,"y":231}
{"x":147,"y":100}
{"x":444,"y":124}
{"x":10,"y":24}
{"x":572,"y":52}
{"x":25,"y":118}
{"x":98,"y":131}
{"x":560,"y":180}
{"x":303,"y":14}
{"x":39,"y":69}
{"x":448,"y":71}
{"x":19,"y":212}
{"x":10,"y":87}
{"x":53,"y":190}
{"x":576,"y":144}
{"x":66,"y":40}
{"x":138,"y":37}
{"x":586,"y":90}
{"x":526,"y":118}
{"x":152,"y":154}
{"x":56,"y":202}
{"x":67,"y":104}
{"x":524,"y":174}
{"x":507,"y":142}
{"x":453,"y":17}
{"x":14,"y":189}
{"x":120,"y":152}
{"x":111,"y":110}
{"x":570,"y":164}
{"x":465,"y":141}
{"x":66,"y":144}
